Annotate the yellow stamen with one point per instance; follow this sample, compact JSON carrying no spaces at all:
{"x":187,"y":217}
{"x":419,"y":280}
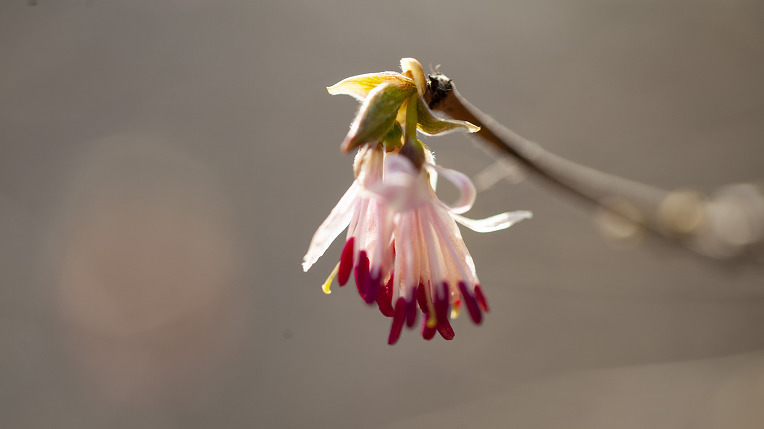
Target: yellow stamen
{"x":432,"y":320}
{"x":455,"y":310}
{"x":330,"y":279}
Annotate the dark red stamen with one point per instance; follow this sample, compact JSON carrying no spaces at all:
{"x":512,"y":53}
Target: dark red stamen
{"x":421,"y":298}
{"x":398,"y":319}
{"x":441,"y":303}
{"x":481,"y":298}
{"x":441,"y":312}
{"x":346,"y":262}
{"x":411,"y":313}
{"x":362,"y":274}
{"x":372,"y":287}
{"x":472,"y":305}
{"x":385,"y":298}
{"x":445,"y":330}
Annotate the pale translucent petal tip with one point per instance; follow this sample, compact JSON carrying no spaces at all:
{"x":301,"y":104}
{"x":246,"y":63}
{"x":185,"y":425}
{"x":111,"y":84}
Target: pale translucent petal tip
{"x":493,"y":223}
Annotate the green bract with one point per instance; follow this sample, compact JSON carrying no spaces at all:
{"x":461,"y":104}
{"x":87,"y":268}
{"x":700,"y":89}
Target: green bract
{"x":377,"y":114}
{"x":432,"y":125}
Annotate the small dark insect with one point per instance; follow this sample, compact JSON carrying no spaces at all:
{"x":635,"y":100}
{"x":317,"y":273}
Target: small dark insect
{"x":439,"y":86}
{"x":31,"y":2}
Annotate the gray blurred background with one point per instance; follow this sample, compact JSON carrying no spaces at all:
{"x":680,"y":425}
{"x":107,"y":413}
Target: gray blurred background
{"x":163,"y":166}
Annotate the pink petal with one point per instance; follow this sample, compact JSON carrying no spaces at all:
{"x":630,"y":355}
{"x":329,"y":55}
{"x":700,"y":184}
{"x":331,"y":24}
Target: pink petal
{"x":451,"y":239}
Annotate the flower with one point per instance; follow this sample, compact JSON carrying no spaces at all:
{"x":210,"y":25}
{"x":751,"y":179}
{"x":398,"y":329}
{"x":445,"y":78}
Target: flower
{"x":403,"y":245}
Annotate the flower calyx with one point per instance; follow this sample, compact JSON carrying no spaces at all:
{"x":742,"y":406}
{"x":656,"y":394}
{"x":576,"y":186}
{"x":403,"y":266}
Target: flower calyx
{"x":393,"y":108}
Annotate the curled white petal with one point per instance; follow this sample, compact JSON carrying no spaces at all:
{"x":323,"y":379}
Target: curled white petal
{"x":467,"y":192}
{"x":493,"y":223}
{"x":338,"y":220}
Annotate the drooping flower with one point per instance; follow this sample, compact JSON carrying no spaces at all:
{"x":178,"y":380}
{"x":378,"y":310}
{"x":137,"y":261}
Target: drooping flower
{"x":433,"y":267}
{"x":403,"y":245}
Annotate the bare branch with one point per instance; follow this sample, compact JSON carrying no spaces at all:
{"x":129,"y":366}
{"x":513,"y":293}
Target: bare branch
{"x":729,"y":226}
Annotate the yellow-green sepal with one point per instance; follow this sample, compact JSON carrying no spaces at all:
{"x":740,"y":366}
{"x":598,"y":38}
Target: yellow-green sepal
{"x":413,"y":68}
{"x":377,"y":114}
{"x":431,"y":125}
{"x":360,"y":86}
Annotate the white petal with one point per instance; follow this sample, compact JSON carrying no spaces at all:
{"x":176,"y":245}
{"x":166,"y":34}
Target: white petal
{"x":493,"y":223}
{"x":399,"y":187}
{"x":338,"y":220}
{"x":464,"y":185}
